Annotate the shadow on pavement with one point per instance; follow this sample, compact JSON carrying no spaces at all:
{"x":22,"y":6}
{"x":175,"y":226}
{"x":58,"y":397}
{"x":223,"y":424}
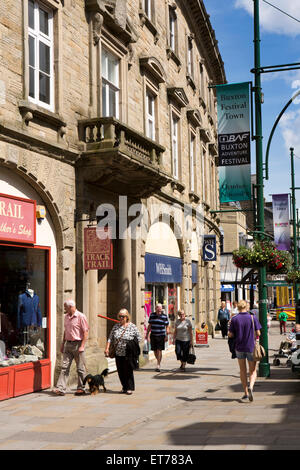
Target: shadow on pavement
{"x":233,"y":433}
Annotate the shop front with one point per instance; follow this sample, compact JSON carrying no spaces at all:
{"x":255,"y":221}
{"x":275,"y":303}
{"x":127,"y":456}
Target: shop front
{"x":163,"y":277}
{"x":26,"y":259}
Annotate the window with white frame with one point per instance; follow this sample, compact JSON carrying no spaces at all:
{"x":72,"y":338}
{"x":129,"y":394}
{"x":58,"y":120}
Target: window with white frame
{"x":203,"y":165}
{"x":150,"y":115}
{"x":190,"y":66}
{"x":148,"y":8}
{"x":172,"y":29}
{"x":175,"y":146}
{"x":192,"y":161}
{"x":110,"y":65}
{"x":202,"y":82}
{"x":40,"y":46}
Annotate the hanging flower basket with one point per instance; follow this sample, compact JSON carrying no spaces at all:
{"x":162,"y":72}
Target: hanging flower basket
{"x":263,"y":254}
{"x":293,"y":276}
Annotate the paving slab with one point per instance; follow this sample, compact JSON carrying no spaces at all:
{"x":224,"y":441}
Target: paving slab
{"x":199,"y":409}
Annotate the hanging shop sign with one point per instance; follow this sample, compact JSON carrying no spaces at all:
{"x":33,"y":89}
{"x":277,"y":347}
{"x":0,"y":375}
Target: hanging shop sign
{"x":209,"y":248}
{"x":163,"y":269}
{"x":233,"y":106}
{"x":98,"y":252}
{"x":281,"y":221}
{"x":17,"y":219}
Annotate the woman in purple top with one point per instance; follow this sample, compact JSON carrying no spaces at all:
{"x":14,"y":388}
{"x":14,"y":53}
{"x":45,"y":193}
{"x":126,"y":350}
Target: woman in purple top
{"x":242,"y":328}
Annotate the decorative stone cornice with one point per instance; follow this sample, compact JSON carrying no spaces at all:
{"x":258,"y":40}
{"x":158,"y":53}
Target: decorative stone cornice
{"x":154,"y":68}
{"x":194,"y":117}
{"x":178,"y":95}
{"x":113,"y":15}
{"x":213,"y":150}
{"x":205,"y":36}
{"x":205,"y":135}
{"x":30,"y":111}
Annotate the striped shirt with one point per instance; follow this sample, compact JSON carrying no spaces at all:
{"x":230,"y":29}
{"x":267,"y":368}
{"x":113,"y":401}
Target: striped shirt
{"x":158,"y":324}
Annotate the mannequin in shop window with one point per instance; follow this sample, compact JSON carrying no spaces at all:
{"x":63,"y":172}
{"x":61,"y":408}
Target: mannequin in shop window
{"x":29,"y":312}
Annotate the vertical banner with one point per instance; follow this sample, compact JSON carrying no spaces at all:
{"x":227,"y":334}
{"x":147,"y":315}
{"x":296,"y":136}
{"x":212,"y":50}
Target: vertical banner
{"x":209,"y":249}
{"x":281,"y":221}
{"x":233,"y":104}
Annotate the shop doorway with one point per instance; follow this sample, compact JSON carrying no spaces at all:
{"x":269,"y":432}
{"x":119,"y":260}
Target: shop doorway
{"x":24,"y":315}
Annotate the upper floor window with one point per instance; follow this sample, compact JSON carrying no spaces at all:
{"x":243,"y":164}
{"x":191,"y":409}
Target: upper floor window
{"x":40,"y":45}
{"x":192,"y":161}
{"x":150,"y":115}
{"x":110,"y":84}
{"x":175,"y":146}
{"x":190,"y":64}
{"x":172,"y":29}
{"x":148,"y":8}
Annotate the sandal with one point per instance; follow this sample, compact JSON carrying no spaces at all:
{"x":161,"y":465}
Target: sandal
{"x":58,"y":393}
{"x":129,"y":392}
{"x":80,"y":392}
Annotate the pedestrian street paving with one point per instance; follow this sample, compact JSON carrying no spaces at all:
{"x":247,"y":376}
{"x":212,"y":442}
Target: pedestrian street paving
{"x":199,"y":409}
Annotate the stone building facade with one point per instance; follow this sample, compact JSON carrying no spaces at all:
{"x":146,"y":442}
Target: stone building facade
{"x":109,"y":103}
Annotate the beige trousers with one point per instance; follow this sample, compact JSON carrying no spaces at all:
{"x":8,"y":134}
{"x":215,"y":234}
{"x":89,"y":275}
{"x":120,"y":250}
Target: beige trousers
{"x":71,"y":352}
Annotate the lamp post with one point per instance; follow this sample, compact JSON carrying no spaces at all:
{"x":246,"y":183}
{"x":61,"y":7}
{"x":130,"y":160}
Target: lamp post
{"x":264,"y":366}
{"x":295,"y":238}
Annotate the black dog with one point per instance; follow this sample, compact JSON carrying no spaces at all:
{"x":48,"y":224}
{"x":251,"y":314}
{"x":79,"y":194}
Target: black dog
{"x":95,"y":381}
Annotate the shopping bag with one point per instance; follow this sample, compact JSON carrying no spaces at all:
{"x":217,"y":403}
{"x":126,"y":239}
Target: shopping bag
{"x":191,"y":357}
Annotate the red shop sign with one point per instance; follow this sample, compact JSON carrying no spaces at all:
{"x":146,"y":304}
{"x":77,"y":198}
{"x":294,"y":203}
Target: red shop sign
{"x":17,"y":219}
{"x":98,"y":252}
{"x":201,"y":337}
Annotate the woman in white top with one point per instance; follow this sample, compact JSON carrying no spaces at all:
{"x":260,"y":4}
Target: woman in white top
{"x":121,"y":335}
{"x":183,"y":337}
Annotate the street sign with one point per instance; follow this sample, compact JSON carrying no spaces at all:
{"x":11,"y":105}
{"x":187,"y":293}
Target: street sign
{"x":276,"y":283}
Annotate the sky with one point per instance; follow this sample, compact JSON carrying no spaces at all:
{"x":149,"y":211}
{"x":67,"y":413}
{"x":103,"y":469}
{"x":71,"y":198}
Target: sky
{"x":232,"y":21}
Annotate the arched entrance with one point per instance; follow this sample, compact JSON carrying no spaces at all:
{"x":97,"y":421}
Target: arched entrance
{"x":28,"y":292}
{"x":163,"y":272}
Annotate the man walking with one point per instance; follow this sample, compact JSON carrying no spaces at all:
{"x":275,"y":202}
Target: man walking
{"x":223,"y":318}
{"x":158,"y":326}
{"x":282,"y":317}
{"x":75,"y":335}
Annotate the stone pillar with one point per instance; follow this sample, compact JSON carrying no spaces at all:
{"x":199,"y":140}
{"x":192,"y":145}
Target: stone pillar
{"x":93,"y":305}
{"x":124,"y":274}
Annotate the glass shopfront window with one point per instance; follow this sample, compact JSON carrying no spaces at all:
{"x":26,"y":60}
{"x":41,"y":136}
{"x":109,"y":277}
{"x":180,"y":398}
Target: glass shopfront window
{"x":167,"y":295}
{"x":23,"y":305}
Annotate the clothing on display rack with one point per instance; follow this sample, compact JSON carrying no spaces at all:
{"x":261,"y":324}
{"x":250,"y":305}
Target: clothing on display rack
{"x":29,"y":312}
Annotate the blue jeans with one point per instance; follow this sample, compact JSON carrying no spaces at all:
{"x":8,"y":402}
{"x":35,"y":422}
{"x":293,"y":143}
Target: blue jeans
{"x":182,"y":350}
{"x":244,"y":355}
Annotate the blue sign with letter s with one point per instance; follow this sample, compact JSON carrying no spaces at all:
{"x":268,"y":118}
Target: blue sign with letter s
{"x":209,"y":248}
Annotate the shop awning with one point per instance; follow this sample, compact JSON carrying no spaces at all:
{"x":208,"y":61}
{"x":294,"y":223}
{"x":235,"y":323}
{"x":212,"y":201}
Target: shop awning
{"x":163,"y":269}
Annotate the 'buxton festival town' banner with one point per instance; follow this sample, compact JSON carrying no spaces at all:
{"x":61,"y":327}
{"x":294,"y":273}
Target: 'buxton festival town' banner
{"x":281,"y":221}
{"x":234,"y":142}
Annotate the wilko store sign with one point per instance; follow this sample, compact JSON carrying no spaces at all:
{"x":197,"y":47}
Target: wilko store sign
{"x":17,"y":219}
{"x":98,"y":252}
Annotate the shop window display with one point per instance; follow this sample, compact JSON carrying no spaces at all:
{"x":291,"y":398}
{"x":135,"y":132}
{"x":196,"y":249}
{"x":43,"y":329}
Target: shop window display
{"x":23,"y":305}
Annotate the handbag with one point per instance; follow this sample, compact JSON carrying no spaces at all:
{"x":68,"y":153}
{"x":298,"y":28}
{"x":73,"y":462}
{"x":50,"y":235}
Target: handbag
{"x":259,"y":351}
{"x":113,"y":346}
{"x":218,"y":327}
{"x":191,"y":356}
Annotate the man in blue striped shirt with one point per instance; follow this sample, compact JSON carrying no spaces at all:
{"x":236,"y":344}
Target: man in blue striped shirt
{"x":159,"y":328}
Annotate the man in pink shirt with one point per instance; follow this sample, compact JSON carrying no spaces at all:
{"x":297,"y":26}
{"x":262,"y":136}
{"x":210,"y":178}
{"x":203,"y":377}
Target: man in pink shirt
{"x":75,"y":335}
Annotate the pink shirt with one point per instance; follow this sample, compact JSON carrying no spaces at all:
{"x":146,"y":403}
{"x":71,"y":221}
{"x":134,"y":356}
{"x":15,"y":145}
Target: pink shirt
{"x":75,"y":326}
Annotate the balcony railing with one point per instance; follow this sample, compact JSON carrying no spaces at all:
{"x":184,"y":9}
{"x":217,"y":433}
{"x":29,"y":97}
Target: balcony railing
{"x":103,"y":134}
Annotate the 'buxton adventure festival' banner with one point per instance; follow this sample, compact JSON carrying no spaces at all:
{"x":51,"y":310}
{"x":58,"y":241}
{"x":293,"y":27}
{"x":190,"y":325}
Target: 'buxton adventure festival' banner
{"x":234,"y":142}
{"x":281,"y":221}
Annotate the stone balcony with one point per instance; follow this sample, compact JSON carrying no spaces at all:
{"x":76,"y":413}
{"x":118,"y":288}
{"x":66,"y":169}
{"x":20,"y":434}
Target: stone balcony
{"x":120,"y":159}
